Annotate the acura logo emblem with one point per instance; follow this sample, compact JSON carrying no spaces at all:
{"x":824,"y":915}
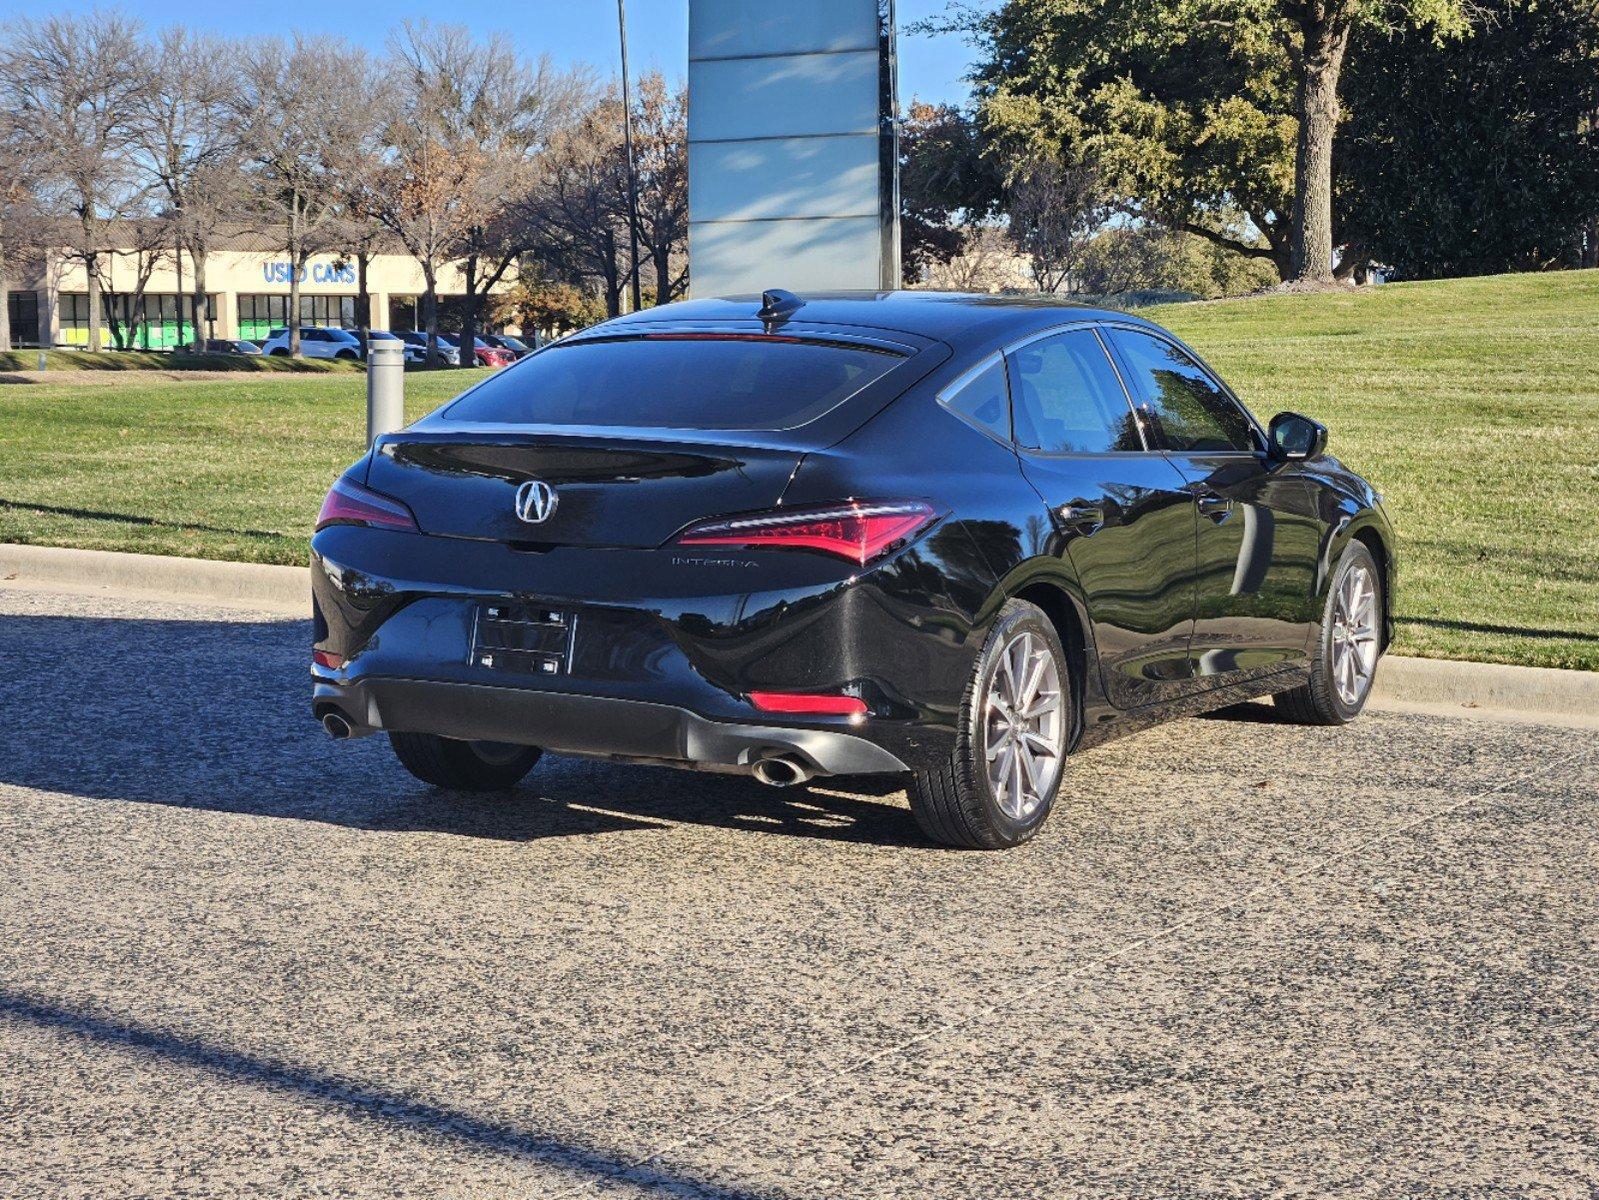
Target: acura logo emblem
{"x":535,"y":502}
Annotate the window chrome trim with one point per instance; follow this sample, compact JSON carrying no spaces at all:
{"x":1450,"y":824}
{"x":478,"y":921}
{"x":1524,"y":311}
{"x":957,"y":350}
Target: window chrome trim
{"x":969,"y":376}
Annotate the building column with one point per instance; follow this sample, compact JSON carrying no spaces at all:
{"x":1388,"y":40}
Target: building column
{"x":49,"y":323}
{"x":227,"y":315}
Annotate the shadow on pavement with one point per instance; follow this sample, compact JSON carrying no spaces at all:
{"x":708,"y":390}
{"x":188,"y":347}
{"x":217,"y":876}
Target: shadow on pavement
{"x":216,"y":715}
{"x":354,"y":1097}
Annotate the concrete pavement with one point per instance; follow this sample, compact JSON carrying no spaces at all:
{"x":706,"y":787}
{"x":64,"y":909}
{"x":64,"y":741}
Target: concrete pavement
{"x":1244,"y":959}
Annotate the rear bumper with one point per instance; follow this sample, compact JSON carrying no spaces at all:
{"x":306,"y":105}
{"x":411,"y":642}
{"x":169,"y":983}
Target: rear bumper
{"x":593,"y":726}
{"x":663,"y":654}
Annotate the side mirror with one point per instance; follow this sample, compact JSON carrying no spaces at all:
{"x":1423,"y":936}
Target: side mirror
{"x":1296,"y":439}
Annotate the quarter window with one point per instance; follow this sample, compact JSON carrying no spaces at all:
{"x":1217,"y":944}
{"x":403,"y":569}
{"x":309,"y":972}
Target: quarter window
{"x":1193,"y":411}
{"x":1068,"y":399}
{"x":983,"y":400}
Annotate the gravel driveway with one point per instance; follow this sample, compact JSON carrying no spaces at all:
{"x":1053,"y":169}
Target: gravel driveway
{"x":1243,"y":959}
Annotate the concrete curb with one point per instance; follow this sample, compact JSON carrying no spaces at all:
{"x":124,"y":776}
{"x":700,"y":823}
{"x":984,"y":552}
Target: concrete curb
{"x":1433,"y":685}
{"x":252,"y":585}
{"x":1527,"y":692}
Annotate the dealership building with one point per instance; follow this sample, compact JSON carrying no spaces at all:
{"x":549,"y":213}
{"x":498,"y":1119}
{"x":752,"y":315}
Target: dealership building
{"x":247,"y":280}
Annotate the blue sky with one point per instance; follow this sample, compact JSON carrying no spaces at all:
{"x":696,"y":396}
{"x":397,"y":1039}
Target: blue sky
{"x":569,"y":30}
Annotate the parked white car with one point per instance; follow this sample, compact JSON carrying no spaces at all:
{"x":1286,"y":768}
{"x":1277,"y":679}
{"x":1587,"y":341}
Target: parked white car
{"x":413,"y":355}
{"x":316,"y":341}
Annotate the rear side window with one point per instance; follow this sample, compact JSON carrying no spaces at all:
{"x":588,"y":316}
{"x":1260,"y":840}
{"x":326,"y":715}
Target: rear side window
{"x":679,"y":382}
{"x":1194,"y":413}
{"x":983,"y":400}
{"x":1069,"y":399}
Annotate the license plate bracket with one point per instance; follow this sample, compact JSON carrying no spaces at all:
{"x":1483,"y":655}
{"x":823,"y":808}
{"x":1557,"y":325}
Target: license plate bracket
{"x":528,"y":639}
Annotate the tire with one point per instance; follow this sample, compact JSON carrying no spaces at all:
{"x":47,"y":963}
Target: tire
{"x":346,"y":356}
{"x":958,"y":803}
{"x":1332,"y":695}
{"x":463,"y":766}
{"x":280,"y":352}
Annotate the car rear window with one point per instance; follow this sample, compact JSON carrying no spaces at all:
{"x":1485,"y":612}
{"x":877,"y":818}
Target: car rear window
{"x":677,"y":382}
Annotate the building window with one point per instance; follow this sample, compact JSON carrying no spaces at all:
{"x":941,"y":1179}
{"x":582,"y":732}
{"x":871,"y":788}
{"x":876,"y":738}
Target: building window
{"x":259,"y":315}
{"x":158,"y":321}
{"x":23,"y":309}
{"x":403,"y":313}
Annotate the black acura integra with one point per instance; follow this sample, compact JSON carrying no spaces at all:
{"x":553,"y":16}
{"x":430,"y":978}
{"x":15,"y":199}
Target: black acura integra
{"x":955,"y":538}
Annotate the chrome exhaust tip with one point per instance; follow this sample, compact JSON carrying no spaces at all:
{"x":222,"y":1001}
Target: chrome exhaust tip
{"x":337,"y":727}
{"x":782,"y":770}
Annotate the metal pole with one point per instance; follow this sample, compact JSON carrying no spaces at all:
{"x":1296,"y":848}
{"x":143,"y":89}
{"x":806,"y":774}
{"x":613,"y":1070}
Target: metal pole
{"x":177,"y":301}
{"x":385,"y":388}
{"x":627,"y":140}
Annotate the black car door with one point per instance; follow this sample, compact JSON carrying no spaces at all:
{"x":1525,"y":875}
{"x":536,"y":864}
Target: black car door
{"x":1121,"y":513}
{"x":1259,"y":530}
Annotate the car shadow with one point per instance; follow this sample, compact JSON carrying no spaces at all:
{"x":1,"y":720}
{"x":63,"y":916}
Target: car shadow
{"x":1254,"y":712}
{"x":216,"y":715}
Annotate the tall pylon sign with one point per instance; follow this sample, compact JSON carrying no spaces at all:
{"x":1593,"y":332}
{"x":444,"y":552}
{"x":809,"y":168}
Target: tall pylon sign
{"x":793,"y":153}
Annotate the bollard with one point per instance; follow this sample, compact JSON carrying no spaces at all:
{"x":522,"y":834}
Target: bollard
{"x":385,"y":388}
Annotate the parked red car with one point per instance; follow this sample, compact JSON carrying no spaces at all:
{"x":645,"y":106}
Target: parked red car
{"x":487,"y":355}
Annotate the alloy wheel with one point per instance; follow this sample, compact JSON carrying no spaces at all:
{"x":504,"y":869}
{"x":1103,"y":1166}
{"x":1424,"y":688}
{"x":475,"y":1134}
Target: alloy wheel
{"x":1024,"y":726}
{"x":1354,"y":634}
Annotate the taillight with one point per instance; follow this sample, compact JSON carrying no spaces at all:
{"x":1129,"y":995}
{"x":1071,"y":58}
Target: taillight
{"x":808,"y":702}
{"x":349,"y":503}
{"x":856,"y":531}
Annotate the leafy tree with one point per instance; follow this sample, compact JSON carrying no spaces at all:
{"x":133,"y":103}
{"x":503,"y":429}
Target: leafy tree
{"x":946,"y":184}
{"x":1189,"y":108}
{"x":1479,"y":156}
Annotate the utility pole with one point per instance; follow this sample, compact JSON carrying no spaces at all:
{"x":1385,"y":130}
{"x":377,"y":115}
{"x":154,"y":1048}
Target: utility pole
{"x":627,"y":140}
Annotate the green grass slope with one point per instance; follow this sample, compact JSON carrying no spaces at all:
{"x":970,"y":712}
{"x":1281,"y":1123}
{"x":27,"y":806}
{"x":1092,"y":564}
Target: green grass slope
{"x":150,"y":360}
{"x":1473,"y":405}
{"x":231,"y":469}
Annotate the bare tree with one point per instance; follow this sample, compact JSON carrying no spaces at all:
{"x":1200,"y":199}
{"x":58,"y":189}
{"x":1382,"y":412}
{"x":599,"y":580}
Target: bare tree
{"x":144,"y":242}
{"x":576,"y":215}
{"x":188,"y":134}
{"x":660,"y":143}
{"x":437,"y":78}
{"x":986,"y":262}
{"x":463,"y":122}
{"x":296,"y":101}
{"x":1053,"y":209}
{"x":21,"y":221}
{"x":73,"y":81}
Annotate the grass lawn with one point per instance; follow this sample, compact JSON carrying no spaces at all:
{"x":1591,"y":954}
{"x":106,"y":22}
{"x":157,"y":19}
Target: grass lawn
{"x":1473,"y":404}
{"x":232,"y":469}
{"x":151,"y":360}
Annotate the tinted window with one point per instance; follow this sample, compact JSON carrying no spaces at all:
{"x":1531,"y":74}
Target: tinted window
{"x":983,"y":400}
{"x":677,"y":383}
{"x":1068,"y":398}
{"x":1194,"y":413}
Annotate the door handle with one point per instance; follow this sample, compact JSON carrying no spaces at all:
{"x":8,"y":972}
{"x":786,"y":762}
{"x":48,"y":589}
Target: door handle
{"x":1082,"y":518}
{"x":1217,"y":508}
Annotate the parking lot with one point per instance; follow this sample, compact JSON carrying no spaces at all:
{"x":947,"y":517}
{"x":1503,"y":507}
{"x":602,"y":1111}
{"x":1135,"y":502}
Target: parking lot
{"x":1243,"y":959}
